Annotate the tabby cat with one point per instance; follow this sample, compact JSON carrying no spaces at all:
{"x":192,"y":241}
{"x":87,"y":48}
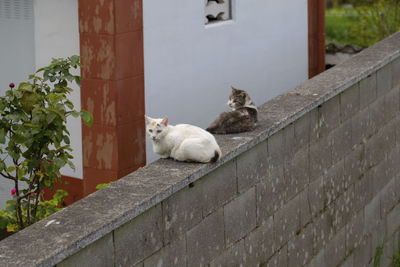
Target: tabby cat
{"x":242,"y":117}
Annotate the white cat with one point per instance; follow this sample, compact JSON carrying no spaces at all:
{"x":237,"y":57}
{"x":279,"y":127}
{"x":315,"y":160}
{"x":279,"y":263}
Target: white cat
{"x":182,"y":142}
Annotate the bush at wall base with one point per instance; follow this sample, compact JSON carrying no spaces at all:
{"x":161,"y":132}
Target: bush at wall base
{"x":34,"y":141}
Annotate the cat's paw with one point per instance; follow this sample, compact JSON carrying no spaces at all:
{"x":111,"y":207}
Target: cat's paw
{"x":164,"y":156}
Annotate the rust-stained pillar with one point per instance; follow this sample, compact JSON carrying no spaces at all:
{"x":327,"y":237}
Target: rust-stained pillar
{"x":316,"y":37}
{"x":111,"y":44}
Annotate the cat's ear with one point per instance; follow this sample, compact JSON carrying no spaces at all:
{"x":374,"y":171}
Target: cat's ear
{"x":233,"y":89}
{"x":147,"y":119}
{"x":165,"y":121}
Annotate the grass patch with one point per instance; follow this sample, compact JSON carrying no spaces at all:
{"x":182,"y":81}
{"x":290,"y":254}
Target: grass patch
{"x":339,"y":22}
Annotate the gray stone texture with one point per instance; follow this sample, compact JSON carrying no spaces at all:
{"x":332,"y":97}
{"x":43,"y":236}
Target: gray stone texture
{"x":344,"y":208}
{"x":302,"y":128}
{"x":174,"y":254}
{"x":252,"y":166}
{"x":182,"y":211}
{"x":218,"y":187}
{"x":384,"y":79}
{"x":316,"y":196}
{"x":233,"y":256}
{"x":354,"y":165}
{"x":392,"y":104}
{"x":320,"y":158}
{"x":341,"y":141}
{"x":240,"y":216}
{"x":360,"y":128}
{"x":377,"y":117}
{"x":280,"y":258}
{"x":350,"y":102}
{"x":354,"y":232}
{"x":334,"y":181}
{"x":139,"y":238}
{"x":100,"y":253}
{"x":372,"y":215}
{"x":300,"y":248}
{"x":286,"y":222}
{"x":206,"y":240}
{"x":335,"y":249}
{"x":323,"y":230}
{"x":367,"y":90}
{"x":362,"y":254}
{"x":396,"y":73}
{"x":328,"y":116}
{"x":296,"y":173}
{"x":259,"y":244}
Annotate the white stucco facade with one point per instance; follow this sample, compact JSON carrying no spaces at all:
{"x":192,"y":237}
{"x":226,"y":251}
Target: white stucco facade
{"x":35,"y":32}
{"x":189,"y":67}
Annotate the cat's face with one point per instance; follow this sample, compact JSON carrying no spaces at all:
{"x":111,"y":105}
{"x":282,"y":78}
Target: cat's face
{"x":237,"y":98}
{"x":156,"y":128}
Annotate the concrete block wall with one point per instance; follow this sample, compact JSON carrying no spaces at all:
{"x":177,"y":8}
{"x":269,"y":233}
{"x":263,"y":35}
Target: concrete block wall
{"x":317,"y":183}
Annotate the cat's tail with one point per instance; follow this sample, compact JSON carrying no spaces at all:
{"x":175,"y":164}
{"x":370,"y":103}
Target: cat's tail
{"x":217,"y":155}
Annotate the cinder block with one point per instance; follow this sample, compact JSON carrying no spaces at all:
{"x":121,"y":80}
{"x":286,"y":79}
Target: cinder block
{"x":348,"y":262}
{"x":360,"y":129}
{"x":354,"y":232}
{"x":323,"y":230}
{"x":300,"y":248}
{"x":328,"y":116}
{"x":372,"y":215}
{"x":280,"y":258}
{"x":354,"y":165}
{"x":393,"y":220}
{"x":362,"y":254}
{"x":392,"y":104}
{"x":139,"y":238}
{"x":275,"y":155}
{"x":384,"y":79}
{"x":316,"y":196}
{"x":218,"y":187}
{"x":344,"y":208}
{"x":240,"y":216}
{"x":205,"y":241}
{"x":286,"y":222}
{"x":320,"y":158}
{"x":349,"y":102}
{"x":318,"y":260}
{"x":314,"y":125}
{"x":233,"y":256}
{"x":289,"y":141}
{"x":174,"y":254}
{"x":377,"y":146}
{"x":335,"y":249}
{"x":377,"y":114}
{"x":304,"y":207}
{"x":377,"y":239}
{"x":396,"y":125}
{"x":396,"y":73}
{"x":296,"y":172}
{"x":270,"y":196}
{"x":99,"y":253}
{"x":334,"y":181}
{"x":182,"y":211}
{"x":259,"y":244}
{"x":340,"y":141}
{"x":368,"y":90}
{"x":302,"y":127}
{"x":362,"y":192}
{"x":252,"y":166}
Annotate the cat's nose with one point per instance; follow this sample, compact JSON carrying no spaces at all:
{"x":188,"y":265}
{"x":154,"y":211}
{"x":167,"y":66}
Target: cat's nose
{"x":154,"y":138}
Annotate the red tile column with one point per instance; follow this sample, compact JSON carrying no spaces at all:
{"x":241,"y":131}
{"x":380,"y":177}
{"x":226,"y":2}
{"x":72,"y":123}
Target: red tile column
{"x":316,"y":37}
{"x":112,"y":89}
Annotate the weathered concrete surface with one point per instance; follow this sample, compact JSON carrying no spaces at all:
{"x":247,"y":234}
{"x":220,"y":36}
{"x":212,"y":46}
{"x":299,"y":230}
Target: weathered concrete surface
{"x":309,"y":108}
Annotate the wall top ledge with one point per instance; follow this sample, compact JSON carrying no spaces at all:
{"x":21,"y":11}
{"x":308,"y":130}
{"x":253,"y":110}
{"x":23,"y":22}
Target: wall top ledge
{"x":53,"y":239}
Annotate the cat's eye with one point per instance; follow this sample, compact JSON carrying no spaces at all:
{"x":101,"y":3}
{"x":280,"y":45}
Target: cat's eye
{"x":158,"y":131}
{"x":150,"y":130}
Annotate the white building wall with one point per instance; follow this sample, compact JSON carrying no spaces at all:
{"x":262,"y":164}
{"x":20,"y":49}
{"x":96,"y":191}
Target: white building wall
{"x":45,"y":29}
{"x":57,"y":35}
{"x":189,"y":67}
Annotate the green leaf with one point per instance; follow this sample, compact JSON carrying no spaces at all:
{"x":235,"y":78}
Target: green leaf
{"x":87,"y":117}
{"x":2,"y":165}
{"x":25,"y":87}
{"x":2,"y":136}
{"x":10,"y":169}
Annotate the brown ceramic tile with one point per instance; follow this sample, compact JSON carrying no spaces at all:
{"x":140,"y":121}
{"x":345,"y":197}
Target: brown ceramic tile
{"x":98,"y":58}
{"x":130,"y":99}
{"x":96,"y":16}
{"x":100,"y":147}
{"x":99,"y":98}
{"x":129,"y":55}
{"x":131,"y":145}
{"x":128,"y":15}
{"x":94,"y":177}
